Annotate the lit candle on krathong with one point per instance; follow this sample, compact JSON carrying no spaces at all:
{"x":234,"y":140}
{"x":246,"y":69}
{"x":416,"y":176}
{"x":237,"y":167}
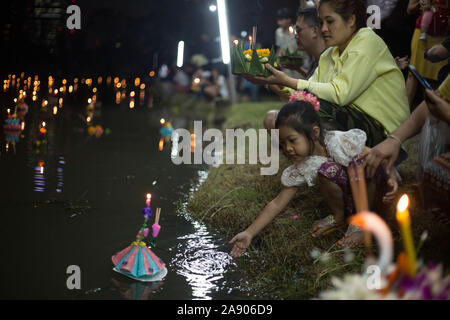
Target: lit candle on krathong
{"x":404,"y":221}
{"x":250,"y":39}
{"x":291,"y":38}
{"x":236,"y":42}
{"x":42,"y":129}
{"x":148,"y":200}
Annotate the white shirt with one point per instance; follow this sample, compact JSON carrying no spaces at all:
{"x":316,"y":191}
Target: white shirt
{"x":341,"y":146}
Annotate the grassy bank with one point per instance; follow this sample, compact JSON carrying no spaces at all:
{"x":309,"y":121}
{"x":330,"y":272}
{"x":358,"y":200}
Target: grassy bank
{"x":284,"y":261}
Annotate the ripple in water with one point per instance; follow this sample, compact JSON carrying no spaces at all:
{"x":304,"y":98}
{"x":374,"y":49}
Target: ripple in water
{"x":201,"y":262}
{"x":199,"y":259}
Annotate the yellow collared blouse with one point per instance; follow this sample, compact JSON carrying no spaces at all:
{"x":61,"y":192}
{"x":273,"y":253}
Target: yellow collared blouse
{"x":364,"y":75}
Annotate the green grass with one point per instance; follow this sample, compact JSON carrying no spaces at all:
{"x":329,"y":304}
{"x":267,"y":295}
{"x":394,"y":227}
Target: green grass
{"x":279,"y":264}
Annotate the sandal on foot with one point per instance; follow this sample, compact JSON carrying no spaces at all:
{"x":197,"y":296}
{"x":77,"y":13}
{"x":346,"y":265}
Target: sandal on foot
{"x":348,"y":241}
{"x":324,"y":226}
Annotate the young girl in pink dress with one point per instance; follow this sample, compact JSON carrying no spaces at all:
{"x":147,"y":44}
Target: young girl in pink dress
{"x":319,"y":157}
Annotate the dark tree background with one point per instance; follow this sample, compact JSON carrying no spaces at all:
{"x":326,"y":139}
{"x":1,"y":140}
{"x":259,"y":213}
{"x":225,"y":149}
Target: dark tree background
{"x":137,"y":35}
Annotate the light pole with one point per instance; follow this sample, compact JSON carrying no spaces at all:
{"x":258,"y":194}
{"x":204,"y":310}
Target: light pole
{"x":180,"y":54}
{"x":225,"y":44}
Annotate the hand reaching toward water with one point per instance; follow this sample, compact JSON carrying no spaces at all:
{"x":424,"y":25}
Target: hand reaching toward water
{"x":241,"y":242}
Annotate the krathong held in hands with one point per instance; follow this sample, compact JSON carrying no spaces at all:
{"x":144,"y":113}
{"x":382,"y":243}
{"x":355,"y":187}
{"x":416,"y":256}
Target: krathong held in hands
{"x":251,"y":61}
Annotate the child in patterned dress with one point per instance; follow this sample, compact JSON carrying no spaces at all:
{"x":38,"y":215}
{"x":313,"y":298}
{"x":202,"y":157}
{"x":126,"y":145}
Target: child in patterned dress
{"x":319,"y":157}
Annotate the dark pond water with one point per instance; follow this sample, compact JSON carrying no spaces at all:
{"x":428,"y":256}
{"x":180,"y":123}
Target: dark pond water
{"x":78,"y":200}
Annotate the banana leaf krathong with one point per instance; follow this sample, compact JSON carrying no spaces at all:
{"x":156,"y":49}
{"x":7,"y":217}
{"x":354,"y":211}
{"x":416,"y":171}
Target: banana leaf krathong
{"x":291,"y":58}
{"x":251,"y":64}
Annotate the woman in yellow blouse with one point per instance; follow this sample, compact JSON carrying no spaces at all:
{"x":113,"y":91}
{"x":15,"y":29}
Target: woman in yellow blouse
{"x":357,"y":80}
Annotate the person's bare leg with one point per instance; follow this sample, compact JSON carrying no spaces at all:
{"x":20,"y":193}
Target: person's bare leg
{"x":333,"y":197}
{"x":269,"y":120}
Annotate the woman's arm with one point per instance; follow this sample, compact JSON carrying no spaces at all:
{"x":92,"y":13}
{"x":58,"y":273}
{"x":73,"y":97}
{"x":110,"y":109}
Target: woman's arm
{"x":271,"y":210}
{"x":278,"y":90}
{"x":389,"y":148}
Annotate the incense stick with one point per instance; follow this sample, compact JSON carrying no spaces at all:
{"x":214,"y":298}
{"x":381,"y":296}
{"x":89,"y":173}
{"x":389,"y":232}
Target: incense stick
{"x":254,"y":37}
{"x":158,"y":212}
{"x":362,"y":188}
{"x":351,"y":170}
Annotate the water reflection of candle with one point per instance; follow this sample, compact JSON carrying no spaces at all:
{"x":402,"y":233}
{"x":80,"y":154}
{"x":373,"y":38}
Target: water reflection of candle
{"x":192,"y":142}
{"x":404,"y":221}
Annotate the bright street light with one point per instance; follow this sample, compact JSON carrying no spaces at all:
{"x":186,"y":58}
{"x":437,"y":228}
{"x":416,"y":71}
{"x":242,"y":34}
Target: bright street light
{"x":180,"y":54}
{"x":224,"y":37}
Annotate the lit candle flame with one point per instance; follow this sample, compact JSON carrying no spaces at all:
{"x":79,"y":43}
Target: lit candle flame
{"x":43,"y":124}
{"x":148,"y":200}
{"x":403,"y":203}
{"x":402,"y":207}
{"x":291,"y":30}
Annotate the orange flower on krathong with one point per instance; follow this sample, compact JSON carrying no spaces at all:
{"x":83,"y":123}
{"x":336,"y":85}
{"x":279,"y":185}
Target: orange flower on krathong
{"x":263,"y":52}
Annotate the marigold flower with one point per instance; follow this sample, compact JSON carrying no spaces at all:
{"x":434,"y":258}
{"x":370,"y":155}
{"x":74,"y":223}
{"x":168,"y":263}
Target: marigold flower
{"x":263,"y":52}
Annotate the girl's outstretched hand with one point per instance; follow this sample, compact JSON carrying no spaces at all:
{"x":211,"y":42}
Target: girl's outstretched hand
{"x":241,"y":242}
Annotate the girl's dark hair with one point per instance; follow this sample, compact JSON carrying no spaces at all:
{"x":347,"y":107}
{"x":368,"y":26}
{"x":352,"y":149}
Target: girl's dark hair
{"x":345,"y":8}
{"x":302,"y":117}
